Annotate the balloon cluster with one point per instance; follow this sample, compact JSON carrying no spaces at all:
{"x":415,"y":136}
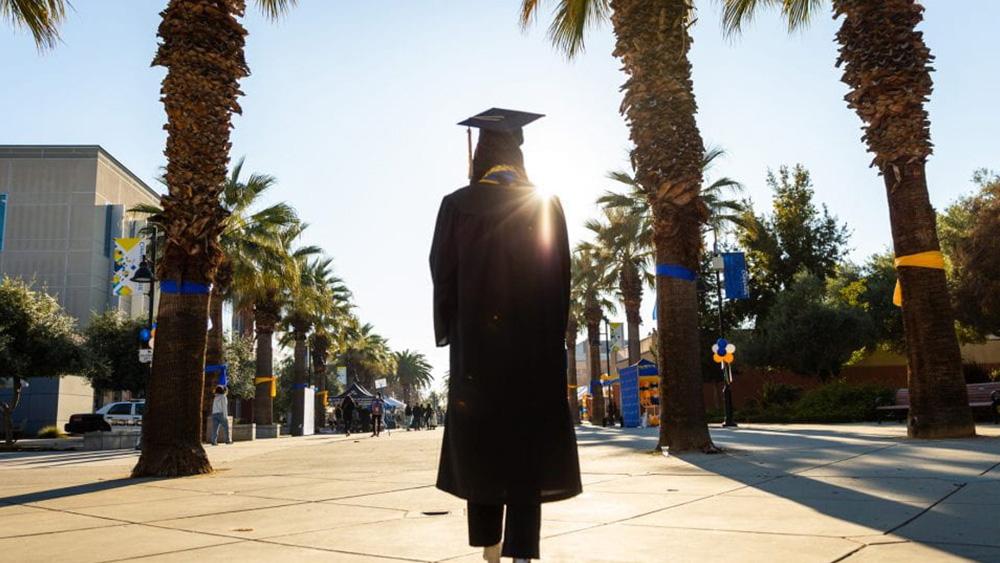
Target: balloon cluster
{"x":722,"y":351}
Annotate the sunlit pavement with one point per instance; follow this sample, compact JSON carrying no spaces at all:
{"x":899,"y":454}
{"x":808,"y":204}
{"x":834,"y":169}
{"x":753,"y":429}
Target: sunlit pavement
{"x":780,"y":493}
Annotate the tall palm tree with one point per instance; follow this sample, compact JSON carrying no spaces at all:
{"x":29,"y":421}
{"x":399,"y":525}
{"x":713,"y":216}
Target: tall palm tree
{"x":202,"y":48}
{"x":887,"y":69}
{"x":366,"y":355}
{"x":624,"y":241}
{"x":251,"y":239}
{"x":592,"y":286}
{"x":327,"y":336}
{"x":413,"y":372}
{"x":40,"y":17}
{"x":652,"y":42}
{"x":314,"y":297}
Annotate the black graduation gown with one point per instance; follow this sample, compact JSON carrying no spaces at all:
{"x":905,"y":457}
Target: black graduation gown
{"x":500,"y":264}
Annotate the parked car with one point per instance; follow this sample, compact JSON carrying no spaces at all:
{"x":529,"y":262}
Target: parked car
{"x":118,"y":413}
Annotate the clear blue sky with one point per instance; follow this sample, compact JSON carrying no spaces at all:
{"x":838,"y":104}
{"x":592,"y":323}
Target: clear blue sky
{"x":352,"y":106}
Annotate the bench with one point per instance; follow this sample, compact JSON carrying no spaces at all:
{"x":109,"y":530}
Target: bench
{"x":981,"y":395}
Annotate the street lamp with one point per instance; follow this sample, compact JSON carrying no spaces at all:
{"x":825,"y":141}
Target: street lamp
{"x":145,"y":274}
{"x":718,"y":265}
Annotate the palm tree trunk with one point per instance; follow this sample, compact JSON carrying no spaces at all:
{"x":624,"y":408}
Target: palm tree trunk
{"x":652,"y":41}
{"x":594,"y":349}
{"x":887,"y":66}
{"x":262,"y":401}
{"x":301,"y":380}
{"x":571,"y":375}
{"x":202,"y":50}
{"x":172,"y":422}
{"x":631,"y":289}
{"x":319,"y":374}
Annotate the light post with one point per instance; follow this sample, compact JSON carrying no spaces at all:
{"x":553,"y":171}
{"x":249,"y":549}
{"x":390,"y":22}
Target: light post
{"x":718,"y":265}
{"x":146,"y":273}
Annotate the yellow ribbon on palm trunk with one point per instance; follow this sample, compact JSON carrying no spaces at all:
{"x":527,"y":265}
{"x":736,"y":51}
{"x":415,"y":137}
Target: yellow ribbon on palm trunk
{"x":268,"y":379}
{"x":932,"y":259}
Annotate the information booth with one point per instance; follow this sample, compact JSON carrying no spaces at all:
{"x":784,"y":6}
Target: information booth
{"x":640,"y":394}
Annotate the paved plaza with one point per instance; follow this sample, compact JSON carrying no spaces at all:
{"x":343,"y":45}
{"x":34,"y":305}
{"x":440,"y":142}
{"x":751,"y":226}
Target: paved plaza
{"x":781,"y":493}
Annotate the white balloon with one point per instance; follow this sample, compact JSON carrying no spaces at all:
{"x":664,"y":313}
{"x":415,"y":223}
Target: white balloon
{"x":715,"y":348}
{"x":730,"y":348}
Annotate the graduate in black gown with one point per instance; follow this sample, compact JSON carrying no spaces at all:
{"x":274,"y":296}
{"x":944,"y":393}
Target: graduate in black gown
{"x":500,"y":263}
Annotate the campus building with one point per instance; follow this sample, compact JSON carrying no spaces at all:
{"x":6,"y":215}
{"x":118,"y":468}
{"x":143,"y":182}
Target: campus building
{"x":61,"y":207}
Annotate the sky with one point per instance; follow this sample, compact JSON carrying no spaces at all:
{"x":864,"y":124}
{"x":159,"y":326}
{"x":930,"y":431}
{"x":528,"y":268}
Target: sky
{"x":353,"y":105}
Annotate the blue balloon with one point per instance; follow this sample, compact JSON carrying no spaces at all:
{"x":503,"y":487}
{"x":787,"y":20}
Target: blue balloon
{"x":722,"y":343}
{"x":144,"y":334}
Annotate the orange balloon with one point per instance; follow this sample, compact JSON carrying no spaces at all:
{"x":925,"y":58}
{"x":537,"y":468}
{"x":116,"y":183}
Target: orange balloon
{"x":717,"y":358}
{"x":728,"y":358}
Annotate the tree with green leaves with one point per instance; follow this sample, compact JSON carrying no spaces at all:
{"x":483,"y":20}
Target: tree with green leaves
{"x":808,"y":331}
{"x":797,"y":236}
{"x":413,"y":373}
{"x":590,"y":282}
{"x":970,"y":236}
{"x":37,"y":339}
{"x":111,"y":342}
{"x":366,"y":355}
{"x":202,"y":48}
{"x":241,"y":363}
{"x":886,"y":66}
{"x":653,"y":41}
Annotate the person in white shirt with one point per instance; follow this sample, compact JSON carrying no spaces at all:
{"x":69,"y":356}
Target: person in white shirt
{"x":220,"y":415}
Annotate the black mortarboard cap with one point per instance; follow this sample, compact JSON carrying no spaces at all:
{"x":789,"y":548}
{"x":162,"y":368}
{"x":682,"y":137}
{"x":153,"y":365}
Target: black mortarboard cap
{"x":506,"y":120}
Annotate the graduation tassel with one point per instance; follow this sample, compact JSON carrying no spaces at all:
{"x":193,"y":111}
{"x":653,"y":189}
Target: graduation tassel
{"x":468,"y":133}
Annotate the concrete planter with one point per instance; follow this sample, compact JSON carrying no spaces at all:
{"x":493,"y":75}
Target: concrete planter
{"x":268,"y":431}
{"x":244,"y":432}
{"x":116,"y":439}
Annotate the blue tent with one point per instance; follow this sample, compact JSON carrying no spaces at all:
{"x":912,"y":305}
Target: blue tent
{"x":631,"y":408}
{"x":393,"y":403}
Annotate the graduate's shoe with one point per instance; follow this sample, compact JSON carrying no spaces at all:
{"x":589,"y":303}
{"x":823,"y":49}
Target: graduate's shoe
{"x":491,"y":553}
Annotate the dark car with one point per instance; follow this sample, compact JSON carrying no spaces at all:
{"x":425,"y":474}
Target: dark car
{"x":83,"y":423}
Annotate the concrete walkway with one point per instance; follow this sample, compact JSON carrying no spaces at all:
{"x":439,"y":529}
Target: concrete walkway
{"x":781,"y":493}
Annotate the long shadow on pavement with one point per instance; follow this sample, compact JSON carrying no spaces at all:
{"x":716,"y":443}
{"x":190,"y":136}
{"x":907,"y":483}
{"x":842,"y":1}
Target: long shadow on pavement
{"x":921,"y":475}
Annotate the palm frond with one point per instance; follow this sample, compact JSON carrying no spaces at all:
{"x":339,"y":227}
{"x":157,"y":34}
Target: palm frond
{"x":40,"y":17}
{"x":570,"y":21}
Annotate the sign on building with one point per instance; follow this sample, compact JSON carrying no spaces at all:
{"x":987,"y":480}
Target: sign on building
{"x":380,"y":383}
{"x":128,"y":254}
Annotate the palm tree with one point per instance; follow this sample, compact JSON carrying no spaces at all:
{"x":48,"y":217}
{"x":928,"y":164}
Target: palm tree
{"x":40,"y":17}
{"x":314,"y":297}
{"x":624,"y":243}
{"x":652,"y":42}
{"x":366,"y":355}
{"x":251,"y":238}
{"x":887,"y":68}
{"x":327,"y":336}
{"x":413,"y":372}
{"x":202,"y":48}
{"x":592,"y":286}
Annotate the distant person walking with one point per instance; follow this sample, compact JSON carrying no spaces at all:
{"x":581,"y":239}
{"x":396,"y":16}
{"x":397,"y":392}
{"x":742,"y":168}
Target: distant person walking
{"x":220,"y":415}
{"x":428,"y":412}
{"x":348,"y":406}
{"x":408,"y":412}
{"x":378,"y":411}
{"x":500,"y":264}
{"x":418,"y":413}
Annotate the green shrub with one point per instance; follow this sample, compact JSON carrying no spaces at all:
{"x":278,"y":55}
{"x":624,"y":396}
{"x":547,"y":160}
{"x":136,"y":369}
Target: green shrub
{"x":777,"y":394}
{"x":840,"y":401}
{"x":51,"y":432}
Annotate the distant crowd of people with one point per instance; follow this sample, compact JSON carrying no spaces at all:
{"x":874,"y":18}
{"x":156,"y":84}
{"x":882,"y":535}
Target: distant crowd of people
{"x":350,"y":417}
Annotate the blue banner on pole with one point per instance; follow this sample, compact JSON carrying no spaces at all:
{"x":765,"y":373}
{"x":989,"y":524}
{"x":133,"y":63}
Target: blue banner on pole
{"x":737,"y":278}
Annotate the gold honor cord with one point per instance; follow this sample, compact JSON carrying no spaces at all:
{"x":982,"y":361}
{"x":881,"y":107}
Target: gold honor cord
{"x":932,"y":259}
{"x":268,"y":379}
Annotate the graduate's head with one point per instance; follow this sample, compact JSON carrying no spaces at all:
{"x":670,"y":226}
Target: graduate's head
{"x":501,"y":135}
{"x":496,"y":148}
{"x":220,"y":390}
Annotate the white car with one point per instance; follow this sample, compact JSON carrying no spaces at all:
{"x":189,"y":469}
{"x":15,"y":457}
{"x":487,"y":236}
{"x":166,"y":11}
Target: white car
{"x":123,"y":412}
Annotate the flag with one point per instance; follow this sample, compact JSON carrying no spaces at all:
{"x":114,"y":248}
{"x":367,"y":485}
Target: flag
{"x":737,"y":279}
{"x":617,"y":336}
{"x":129,"y":253}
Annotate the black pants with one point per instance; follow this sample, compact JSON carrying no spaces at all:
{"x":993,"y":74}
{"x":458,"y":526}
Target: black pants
{"x":520,"y":531}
